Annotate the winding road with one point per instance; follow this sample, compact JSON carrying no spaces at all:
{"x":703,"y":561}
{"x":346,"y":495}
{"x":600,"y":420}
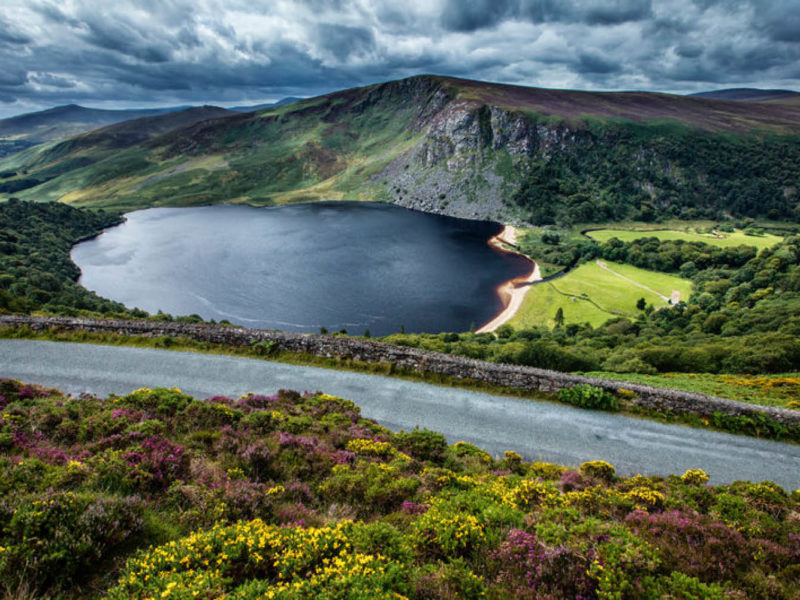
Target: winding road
{"x":537,"y":430}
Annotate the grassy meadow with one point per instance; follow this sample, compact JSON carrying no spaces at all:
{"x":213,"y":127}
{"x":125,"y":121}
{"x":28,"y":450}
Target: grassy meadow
{"x":593,"y":294}
{"x":722,"y":239}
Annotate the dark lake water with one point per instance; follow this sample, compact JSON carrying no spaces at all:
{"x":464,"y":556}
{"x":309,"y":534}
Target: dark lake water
{"x":335,"y":265}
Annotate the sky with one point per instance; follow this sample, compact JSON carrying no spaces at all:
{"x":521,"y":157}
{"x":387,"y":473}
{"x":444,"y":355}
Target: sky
{"x":113,"y":54}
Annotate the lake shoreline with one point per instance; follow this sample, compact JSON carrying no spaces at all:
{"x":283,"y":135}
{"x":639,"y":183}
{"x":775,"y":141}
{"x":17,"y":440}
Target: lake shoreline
{"x":512,"y":292}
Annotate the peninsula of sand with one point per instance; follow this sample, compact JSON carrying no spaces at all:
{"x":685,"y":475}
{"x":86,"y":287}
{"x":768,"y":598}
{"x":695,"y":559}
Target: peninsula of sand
{"x":511,"y":292}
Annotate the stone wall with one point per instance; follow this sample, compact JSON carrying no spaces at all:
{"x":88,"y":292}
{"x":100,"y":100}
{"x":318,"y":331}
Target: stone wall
{"x":413,"y":359}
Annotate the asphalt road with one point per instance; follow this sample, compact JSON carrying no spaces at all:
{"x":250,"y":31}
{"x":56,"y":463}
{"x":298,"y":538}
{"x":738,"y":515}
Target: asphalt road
{"x":537,"y":430}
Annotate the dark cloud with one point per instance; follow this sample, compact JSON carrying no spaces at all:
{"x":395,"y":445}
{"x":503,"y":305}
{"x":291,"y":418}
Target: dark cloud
{"x":135,"y":52}
{"x":11,"y":77}
{"x":689,"y":50}
{"x":594,"y":64}
{"x":614,"y":12}
{"x":480,"y":14}
{"x":780,"y":20}
{"x":52,"y":80}
{"x":344,"y":41}
{"x":9,"y":36}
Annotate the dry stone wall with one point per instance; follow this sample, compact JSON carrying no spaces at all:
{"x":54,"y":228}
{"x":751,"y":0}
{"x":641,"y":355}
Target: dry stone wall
{"x":413,"y":359}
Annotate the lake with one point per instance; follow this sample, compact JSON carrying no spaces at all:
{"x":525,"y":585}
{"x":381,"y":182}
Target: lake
{"x":338,"y":265}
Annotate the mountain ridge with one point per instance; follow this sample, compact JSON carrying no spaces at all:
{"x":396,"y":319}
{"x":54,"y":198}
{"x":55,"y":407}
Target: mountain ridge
{"x":454,"y":146}
{"x":748,"y":94}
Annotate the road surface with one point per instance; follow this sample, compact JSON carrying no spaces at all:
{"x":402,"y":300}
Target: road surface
{"x":537,"y":430}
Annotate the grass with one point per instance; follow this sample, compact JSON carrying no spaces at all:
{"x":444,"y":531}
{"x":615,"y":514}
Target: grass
{"x":737,"y":238}
{"x":592,"y":294}
{"x":766,"y":390}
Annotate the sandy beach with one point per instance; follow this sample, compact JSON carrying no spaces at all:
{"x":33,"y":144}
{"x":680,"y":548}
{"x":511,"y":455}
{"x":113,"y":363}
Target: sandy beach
{"x":512,"y":292}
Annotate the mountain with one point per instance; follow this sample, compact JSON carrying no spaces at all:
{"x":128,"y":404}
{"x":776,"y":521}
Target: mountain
{"x":64,"y":121}
{"x":256,"y":107}
{"x":458,"y":147}
{"x":749,"y":95}
{"x":37,"y":165}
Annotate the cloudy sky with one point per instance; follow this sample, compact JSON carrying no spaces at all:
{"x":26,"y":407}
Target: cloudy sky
{"x":116,"y":53}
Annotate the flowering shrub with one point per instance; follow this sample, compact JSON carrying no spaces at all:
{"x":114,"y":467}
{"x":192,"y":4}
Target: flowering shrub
{"x":156,"y":463}
{"x":271,"y":562}
{"x":599,"y":469}
{"x":448,"y":533}
{"x":694,"y":477}
{"x":371,"y":448}
{"x":270,"y":486}
{"x":693,"y":544}
{"x":571,"y":481}
{"x":531,"y":569}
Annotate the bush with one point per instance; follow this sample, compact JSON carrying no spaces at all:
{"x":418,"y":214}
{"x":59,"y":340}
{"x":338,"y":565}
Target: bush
{"x":61,"y":536}
{"x":589,"y":396}
{"x":599,"y":469}
{"x":694,"y":477}
{"x":422,"y":444}
{"x":525,"y":564}
{"x":451,"y":580}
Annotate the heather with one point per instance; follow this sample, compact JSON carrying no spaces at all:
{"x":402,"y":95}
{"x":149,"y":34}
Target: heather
{"x":156,"y":494}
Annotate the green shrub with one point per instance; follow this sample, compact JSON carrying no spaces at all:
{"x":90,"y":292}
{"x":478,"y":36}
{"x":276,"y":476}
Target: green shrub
{"x":58,"y":537}
{"x":451,"y":580}
{"x":599,"y":469}
{"x":422,"y":444}
{"x":589,"y":396}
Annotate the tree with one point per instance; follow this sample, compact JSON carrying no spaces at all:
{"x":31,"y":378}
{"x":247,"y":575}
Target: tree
{"x":559,"y":317}
{"x":640,"y":304}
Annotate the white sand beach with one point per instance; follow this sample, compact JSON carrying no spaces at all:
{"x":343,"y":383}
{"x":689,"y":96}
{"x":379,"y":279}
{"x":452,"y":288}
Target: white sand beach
{"x":512,"y":292}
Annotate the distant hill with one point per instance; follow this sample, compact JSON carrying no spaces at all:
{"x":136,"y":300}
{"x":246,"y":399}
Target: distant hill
{"x":453,"y":146}
{"x":255,"y":107}
{"x":748,"y":95}
{"x":50,"y":160}
{"x":64,"y":121}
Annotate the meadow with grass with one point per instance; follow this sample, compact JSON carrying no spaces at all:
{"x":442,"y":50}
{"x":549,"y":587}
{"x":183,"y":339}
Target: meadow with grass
{"x":722,"y":239}
{"x":156,"y":494}
{"x":595,"y":292}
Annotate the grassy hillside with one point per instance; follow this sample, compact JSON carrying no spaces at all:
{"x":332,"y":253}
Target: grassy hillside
{"x":36,"y":166}
{"x":596,"y":292}
{"x":459,"y":147}
{"x":158,"y":495}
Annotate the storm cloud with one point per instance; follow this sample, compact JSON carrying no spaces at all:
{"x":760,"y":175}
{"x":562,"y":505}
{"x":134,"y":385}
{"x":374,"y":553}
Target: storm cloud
{"x":163,"y":52}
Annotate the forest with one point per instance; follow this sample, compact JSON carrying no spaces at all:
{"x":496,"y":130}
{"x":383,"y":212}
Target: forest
{"x":616,"y":171}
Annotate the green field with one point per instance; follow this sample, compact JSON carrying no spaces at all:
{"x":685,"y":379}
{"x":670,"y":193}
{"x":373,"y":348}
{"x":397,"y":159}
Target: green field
{"x":724,"y":240}
{"x":592,"y":294}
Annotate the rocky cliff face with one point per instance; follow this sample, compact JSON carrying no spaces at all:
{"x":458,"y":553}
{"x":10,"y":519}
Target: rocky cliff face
{"x":470,"y":159}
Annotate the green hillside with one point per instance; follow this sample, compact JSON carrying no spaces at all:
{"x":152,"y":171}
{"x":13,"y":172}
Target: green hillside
{"x":453,"y":146}
{"x":596,"y":292}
